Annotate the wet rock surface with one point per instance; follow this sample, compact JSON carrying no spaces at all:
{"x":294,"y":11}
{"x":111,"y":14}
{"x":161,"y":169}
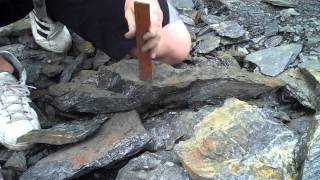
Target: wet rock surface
{"x":77,"y":92}
{"x":228,"y":143}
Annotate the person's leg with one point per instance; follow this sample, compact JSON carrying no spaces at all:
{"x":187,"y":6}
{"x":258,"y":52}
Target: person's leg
{"x":5,"y":66}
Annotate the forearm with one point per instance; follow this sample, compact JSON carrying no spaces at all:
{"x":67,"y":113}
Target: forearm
{"x":13,"y":10}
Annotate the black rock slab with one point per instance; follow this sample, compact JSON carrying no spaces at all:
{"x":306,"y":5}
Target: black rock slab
{"x":118,"y":87}
{"x":151,"y":166}
{"x":17,"y":161}
{"x":72,"y":67}
{"x":64,"y":133}
{"x":121,"y":137}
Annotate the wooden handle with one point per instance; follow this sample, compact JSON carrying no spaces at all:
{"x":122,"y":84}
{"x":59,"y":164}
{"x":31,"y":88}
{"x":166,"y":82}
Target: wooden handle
{"x":142,"y":18}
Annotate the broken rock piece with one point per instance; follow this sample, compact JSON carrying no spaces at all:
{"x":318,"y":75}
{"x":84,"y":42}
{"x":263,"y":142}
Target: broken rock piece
{"x":121,"y":137}
{"x":17,"y":161}
{"x":273,"y":61}
{"x":120,"y":89}
{"x":239,"y":141}
{"x":151,"y":166}
{"x":64,"y":133}
{"x":282,"y":3}
{"x":230,"y":29}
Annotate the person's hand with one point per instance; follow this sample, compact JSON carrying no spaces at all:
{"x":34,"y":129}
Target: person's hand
{"x":152,"y":38}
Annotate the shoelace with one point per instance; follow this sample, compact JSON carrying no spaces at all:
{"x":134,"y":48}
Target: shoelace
{"x":22,"y":92}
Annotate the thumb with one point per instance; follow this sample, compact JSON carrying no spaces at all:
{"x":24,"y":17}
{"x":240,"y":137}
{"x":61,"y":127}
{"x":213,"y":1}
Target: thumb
{"x":131,"y":25}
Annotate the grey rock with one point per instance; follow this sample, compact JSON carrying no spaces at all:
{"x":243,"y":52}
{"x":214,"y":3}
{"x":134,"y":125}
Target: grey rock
{"x":119,"y":88}
{"x":273,"y":41}
{"x":282,"y":3}
{"x":82,"y":45}
{"x":209,"y":43}
{"x":211,"y":19}
{"x":229,"y":29}
{"x":183,"y":4}
{"x":18,"y":28}
{"x":152,"y":167}
{"x":65,"y":133}
{"x":273,"y":61}
{"x":17,"y":161}
{"x":100,"y":59}
{"x":240,"y":141}
{"x":1,"y":177}
{"x":311,"y":167}
{"x":169,"y":127}
{"x":121,"y":137}
{"x":286,"y":13}
{"x":271,"y":29}
{"x":301,"y":88}
{"x":72,"y":67}
{"x":5,"y":155}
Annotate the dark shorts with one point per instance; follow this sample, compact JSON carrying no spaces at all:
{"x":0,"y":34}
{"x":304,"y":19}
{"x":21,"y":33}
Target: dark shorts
{"x":101,"y":22}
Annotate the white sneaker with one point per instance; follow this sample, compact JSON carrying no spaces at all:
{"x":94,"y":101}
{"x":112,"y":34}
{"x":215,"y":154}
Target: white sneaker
{"x":50,"y":35}
{"x":17,"y":118}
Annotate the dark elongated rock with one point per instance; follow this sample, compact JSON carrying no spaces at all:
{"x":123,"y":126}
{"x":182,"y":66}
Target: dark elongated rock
{"x":17,"y":28}
{"x":64,"y":133}
{"x":166,"y":129}
{"x":119,"y":88}
{"x":5,"y":155}
{"x":239,"y":141}
{"x":229,"y":29}
{"x":72,"y":67}
{"x":1,"y":177}
{"x":122,"y":136}
{"x":151,"y":166}
{"x":17,"y":161}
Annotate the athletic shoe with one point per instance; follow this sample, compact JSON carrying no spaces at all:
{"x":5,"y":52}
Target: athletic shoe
{"x":50,"y":35}
{"x":17,"y":118}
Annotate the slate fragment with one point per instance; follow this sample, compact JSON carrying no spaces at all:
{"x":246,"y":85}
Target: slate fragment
{"x":208,"y":44}
{"x":17,"y":161}
{"x":17,"y":28}
{"x":151,"y":166}
{"x":282,"y":3}
{"x":230,"y":29}
{"x":65,"y":133}
{"x":273,"y":61}
{"x":119,"y":138}
{"x":72,"y":67}
{"x":119,"y":87}
{"x":239,"y":141}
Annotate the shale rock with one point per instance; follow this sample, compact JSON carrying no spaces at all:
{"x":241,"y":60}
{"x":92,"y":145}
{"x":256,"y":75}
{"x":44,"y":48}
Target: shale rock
{"x":18,"y":28}
{"x":169,"y":127}
{"x":122,"y":136}
{"x":64,"y":133}
{"x":17,"y":161}
{"x":282,"y":3}
{"x":239,"y":141}
{"x":300,"y":87}
{"x":183,"y":4}
{"x":273,"y":61}
{"x":119,"y":88}
{"x":311,"y":167}
{"x":1,"y":177}
{"x":230,"y":29}
{"x":151,"y":166}
{"x":209,"y":43}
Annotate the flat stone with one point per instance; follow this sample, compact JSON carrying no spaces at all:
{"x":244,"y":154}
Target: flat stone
{"x":229,"y":29}
{"x":239,"y":141}
{"x":17,"y":28}
{"x":166,"y":129}
{"x":211,"y":19}
{"x":282,"y":3}
{"x":209,"y":43}
{"x":17,"y":161}
{"x":119,"y":88}
{"x":311,"y":167}
{"x":300,"y":87}
{"x":5,"y":154}
{"x":273,"y":61}
{"x":82,"y":45}
{"x":151,"y":166}
{"x":65,"y":133}
{"x":119,"y":138}
{"x":1,"y":177}
{"x":183,"y":4}
{"x":100,"y":59}
{"x":311,"y":67}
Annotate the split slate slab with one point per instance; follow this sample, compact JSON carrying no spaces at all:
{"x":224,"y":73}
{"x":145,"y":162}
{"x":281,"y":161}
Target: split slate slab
{"x":121,"y":137}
